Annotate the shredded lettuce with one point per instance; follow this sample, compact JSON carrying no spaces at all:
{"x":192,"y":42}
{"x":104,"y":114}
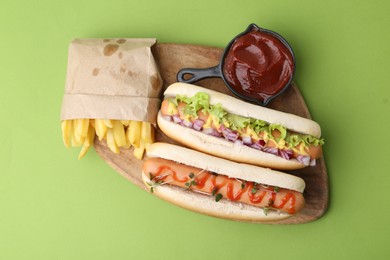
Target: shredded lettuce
{"x":173,"y":101}
{"x":201,"y":101}
{"x":257,"y":125}
{"x":237,"y":122}
{"x":293,"y":139}
{"x":308,"y":139}
{"x":217,"y":111}
{"x":281,"y":129}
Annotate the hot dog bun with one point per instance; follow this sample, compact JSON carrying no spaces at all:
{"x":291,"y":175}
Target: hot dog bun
{"x":226,"y":149}
{"x":206,"y":204}
{"x":239,"y":107}
{"x":223,"y":148}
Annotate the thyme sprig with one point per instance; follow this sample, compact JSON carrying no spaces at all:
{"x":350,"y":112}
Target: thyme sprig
{"x":218,"y":196}
{"x":255,"y":188}
{"x":243,"y":183}
{"x":154,"y":183}
{"x":192,"y":181}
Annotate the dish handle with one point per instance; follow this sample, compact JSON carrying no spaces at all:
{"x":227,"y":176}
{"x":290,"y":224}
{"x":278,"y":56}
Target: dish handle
{"x":198,"y":74}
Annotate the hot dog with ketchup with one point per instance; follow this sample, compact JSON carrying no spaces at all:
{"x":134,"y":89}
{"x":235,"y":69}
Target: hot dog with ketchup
{"x":221,"y":188}
{"x":226,"y":127}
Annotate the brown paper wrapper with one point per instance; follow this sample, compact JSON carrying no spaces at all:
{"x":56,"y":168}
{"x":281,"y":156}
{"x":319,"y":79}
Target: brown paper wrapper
{"x":112,"y":79}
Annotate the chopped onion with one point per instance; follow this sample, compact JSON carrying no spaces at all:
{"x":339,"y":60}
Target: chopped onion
{"x":229,"y":134}
{"x":313,"y":162}
{"x":262,"y":143}
{"x":304,"y":159}
{"x":188,"y":124}
{"x":211,"y":131}
{"x":177,"y":119}
{"x":198,"y":124}
{"x":258,"y":145}
{"x":271,"y":150}
{"x":286,"y":154}
{"x":196,"y":127}
{"x":167,"y":117}
{"x":247,"y":140}
{"x":283,"y":154}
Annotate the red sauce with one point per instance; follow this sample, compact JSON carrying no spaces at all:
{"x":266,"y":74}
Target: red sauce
{"x":201,"y":181}
{"x":283,"y":202}
{"x":164,"y":171}
{"x":230,"y":192}
{"x":258,"y":65}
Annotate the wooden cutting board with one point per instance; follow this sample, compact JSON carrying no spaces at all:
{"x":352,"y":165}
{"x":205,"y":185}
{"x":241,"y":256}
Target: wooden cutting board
{"x":173,"y":57}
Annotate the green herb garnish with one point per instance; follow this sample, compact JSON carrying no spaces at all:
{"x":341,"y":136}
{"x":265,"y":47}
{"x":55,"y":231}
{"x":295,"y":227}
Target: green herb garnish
{"x":192,"y":182}
{"x":218,"y":197}
{"x":153,"y":184}
{"x":255,"y":188}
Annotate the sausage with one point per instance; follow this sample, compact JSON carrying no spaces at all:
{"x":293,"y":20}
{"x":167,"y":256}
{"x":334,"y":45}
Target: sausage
{"x":314,"y":151}
{"x":166,"y":172}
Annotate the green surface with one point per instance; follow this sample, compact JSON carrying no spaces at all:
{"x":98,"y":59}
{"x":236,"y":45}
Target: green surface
{"x":53,"y":206}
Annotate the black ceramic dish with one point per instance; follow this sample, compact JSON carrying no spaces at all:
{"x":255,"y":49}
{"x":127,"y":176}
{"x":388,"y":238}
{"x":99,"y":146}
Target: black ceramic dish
{"x":197,"y":74}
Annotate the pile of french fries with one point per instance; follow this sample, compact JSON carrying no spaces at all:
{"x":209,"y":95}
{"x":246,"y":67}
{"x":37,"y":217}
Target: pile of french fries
{"x":117,"y":133}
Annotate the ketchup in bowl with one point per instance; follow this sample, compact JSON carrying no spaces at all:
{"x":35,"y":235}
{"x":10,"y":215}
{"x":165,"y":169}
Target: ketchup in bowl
{"x":258,"y":65}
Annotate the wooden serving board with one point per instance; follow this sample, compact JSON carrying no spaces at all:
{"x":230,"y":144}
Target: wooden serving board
{"x":173,"y":57}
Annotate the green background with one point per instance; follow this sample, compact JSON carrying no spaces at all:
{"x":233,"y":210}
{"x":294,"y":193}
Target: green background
{"x":53,"y":206}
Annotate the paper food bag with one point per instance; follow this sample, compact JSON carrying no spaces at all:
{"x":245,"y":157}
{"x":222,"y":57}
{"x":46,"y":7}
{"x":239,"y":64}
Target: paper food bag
{"x":112,"y":79}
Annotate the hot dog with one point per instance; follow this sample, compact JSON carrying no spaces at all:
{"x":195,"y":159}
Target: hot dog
{"x":226,"y":127}
{"x":221,"y":188}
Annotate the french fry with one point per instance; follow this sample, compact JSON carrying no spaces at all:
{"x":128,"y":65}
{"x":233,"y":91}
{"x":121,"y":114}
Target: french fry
{"x":100,"y":128}
{"x":80,"y":130}
{"x":153,"y":132}
{"x":108,"y":123}
{"x":66,"y":126}
{"x":125,"y":122}
{"x":146,"y":132}
{"x":139,"y":151}
{"x":83,"y":151}
{"x":127,"y":135}
{"x":134,"y":133}
{"x":87,"y":142}
{"x":119,"y":133}
{"x":90,"y":137}
{"x":82,"y":127}
{"x":147,"y":145}
{"x":128,"y":144}
{"x":92,"y":122}
{"x":76,"y":140}
{"x":111,"y":141}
